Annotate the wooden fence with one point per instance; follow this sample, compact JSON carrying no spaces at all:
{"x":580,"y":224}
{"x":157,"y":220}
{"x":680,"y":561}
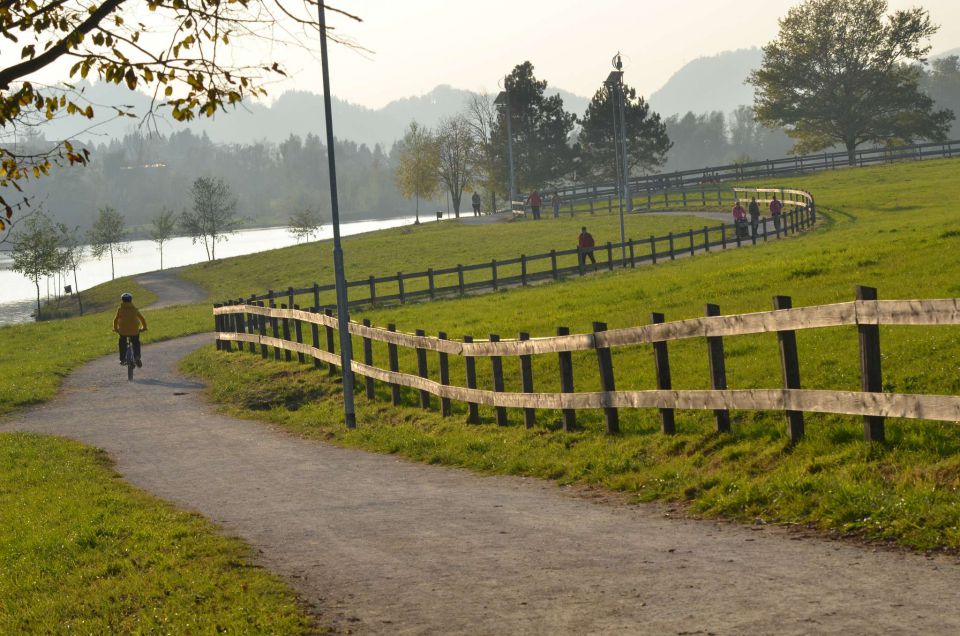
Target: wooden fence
{"x":645,"y":189}
{"x":799,"y":214}
{"x":283,"y":329}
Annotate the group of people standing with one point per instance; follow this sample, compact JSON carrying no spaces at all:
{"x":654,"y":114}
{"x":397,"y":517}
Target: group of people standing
{"x":534,"y":200}
{"x":753,"y":209}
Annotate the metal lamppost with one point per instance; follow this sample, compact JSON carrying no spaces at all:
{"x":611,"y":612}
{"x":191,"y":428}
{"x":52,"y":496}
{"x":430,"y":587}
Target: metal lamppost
{"x":343,"y":314}
{"x":614,"y":84}
{"x":503,"y":99}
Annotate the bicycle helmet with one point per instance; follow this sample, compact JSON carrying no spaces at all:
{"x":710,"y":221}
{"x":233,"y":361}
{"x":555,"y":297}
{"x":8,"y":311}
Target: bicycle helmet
{"x":126,"y":297}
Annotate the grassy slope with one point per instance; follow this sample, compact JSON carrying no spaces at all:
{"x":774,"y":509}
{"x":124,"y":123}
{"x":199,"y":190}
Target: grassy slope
{"x":889,"y":226}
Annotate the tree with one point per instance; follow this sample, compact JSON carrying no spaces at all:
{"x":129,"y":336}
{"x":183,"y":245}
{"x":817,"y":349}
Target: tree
{"x":455,"y":147}
{"x":107,"y":235}
{"x":419,"y":159}
{"x":191,"y":70}
{"x":481,"y":114}
{"x":838,"y":73}
{"x":71,"y":253}
{"x":214,"y":214}
{"x":942,"y":83}
{"x":35,"y":252}
{"x":647,"y":140}
{"x":162,"y":228}
{"x":305,"y":224}
{"x":540,"y":128}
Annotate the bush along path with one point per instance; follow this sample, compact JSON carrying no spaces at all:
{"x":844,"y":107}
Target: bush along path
{"x":380,"y":545}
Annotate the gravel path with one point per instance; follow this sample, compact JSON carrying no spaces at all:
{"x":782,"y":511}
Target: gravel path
{"x":171,"y":289}
{"x":376,"y":545}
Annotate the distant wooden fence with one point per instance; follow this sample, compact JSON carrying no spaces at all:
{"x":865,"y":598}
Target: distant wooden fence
{"x":645,"y":189}
{"x":283,"y":329}
{"x":799,"y":214}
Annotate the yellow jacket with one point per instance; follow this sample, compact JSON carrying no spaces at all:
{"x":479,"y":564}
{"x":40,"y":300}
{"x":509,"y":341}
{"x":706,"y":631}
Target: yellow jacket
{"x":128,"y":320}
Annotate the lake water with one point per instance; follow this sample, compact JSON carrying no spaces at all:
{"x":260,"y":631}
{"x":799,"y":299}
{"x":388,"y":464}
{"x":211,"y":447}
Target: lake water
{"x":18,"y":295}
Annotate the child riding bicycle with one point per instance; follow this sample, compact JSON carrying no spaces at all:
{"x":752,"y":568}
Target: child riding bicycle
{"x":128,"y":323}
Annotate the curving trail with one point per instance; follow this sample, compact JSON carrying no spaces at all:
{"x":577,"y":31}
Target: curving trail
{"x":171,"y":289}
{"x":379,"y":545}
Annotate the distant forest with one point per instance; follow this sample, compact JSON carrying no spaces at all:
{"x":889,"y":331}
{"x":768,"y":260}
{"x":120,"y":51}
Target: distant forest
{"x":140,"y":175}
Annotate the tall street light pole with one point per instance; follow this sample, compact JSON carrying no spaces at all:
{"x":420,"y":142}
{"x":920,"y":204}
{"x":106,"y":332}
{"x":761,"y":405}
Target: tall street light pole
{"x":503,"y":99}
{"x":614,"y":84}
{"x":343,"y":314}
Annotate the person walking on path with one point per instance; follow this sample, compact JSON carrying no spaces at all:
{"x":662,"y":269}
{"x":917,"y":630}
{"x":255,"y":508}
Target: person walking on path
{"x":585,"y":244}
{"x":475,"y":199}
{"x":754,"y":209}
{"x":775,"y":208}
{"x":128,"y":323}
{"x":555,"y":201}
{"x":534,"y":202}
{"x":740,"y":219}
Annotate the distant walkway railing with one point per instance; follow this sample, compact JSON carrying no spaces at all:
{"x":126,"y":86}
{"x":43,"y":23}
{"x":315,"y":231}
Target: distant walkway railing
{"x":645,"y":189}
{"x":799,"y":214}
{"x":283,"y":330}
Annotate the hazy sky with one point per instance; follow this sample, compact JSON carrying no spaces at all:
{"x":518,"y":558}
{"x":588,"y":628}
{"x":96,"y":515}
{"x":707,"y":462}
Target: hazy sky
{"x":418,"y":44}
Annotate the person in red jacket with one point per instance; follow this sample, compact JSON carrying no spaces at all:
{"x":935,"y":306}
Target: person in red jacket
{"x":775,"y":208}
{"x":585,"y":245}
{"x":534,"y":201}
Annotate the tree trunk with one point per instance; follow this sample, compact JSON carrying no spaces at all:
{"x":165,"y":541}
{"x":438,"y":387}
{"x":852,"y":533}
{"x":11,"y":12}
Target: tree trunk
{"x":112,"y":274}
{"x":76,"y":290}
{"x":456,"y":202}
{"x":36,"y":282}
{"x":213,"y":248}
{"x":851,"y":152}
{"x":161,"y":257}
{"x":417,"y":222}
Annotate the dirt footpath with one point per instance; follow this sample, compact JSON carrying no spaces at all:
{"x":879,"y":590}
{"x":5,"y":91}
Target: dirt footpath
{"x":171,"y":289}
{"x":377,"y":545}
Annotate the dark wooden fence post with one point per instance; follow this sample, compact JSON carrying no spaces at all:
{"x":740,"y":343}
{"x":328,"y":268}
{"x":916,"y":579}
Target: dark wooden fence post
{"x":394,"y":362}
{"x":262,"y":330}
{"x":473,"y":411}
{"x":316,"y":295}
{"x":672,"y":254}
{"x":763,"y":224}
{"x":422,"y":370}
{"x":287,"y":354}
{"x":692,"y":248}
{"x":252,"y":326}
{"x":566,"y":381}
{"x":723,"y":235}
{"x":217,"y":326}
{"x":706,"y":238}
{"x":790,"y":366}
{"x":460,"y":279}
{"x":607,"y":383}
{"x":430,"y":284}
{"x":298,"y":330}
{"x":718,"y":371}
{"x":315,"y":336}
{"x":368,"y":360}
{"x":493,"y":273}
{"x":373,"y":291}
{"x":661,"y":360}
{"x":274,"y":328}
{"x":871,"y":377}
{"x":523,"y":270}
{"x":553,"y":264}
{"x":331,"y":367}
{"x":610,"y":256}
{"x":444,"y":377}
{"x":290,"y":297}
{"x":526,"y":382}
{"x":496,"y":366}
{"x":633,"y":260}
{"x":653,"y":249}
{"x":403,"y":297}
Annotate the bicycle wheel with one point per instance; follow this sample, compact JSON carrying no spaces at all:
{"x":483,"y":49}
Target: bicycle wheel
{"x":130,"y":362}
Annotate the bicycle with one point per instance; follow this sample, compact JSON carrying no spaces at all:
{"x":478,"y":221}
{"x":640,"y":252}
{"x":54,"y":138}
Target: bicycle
{"x":129,"y":360}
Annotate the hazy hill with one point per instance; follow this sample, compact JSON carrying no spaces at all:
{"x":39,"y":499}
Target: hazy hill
{"x":708,"y":83}
{"x":293,"y":112}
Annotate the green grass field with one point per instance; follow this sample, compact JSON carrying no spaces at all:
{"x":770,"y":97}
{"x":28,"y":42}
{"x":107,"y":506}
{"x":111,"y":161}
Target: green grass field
{"x":889,"y":227}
